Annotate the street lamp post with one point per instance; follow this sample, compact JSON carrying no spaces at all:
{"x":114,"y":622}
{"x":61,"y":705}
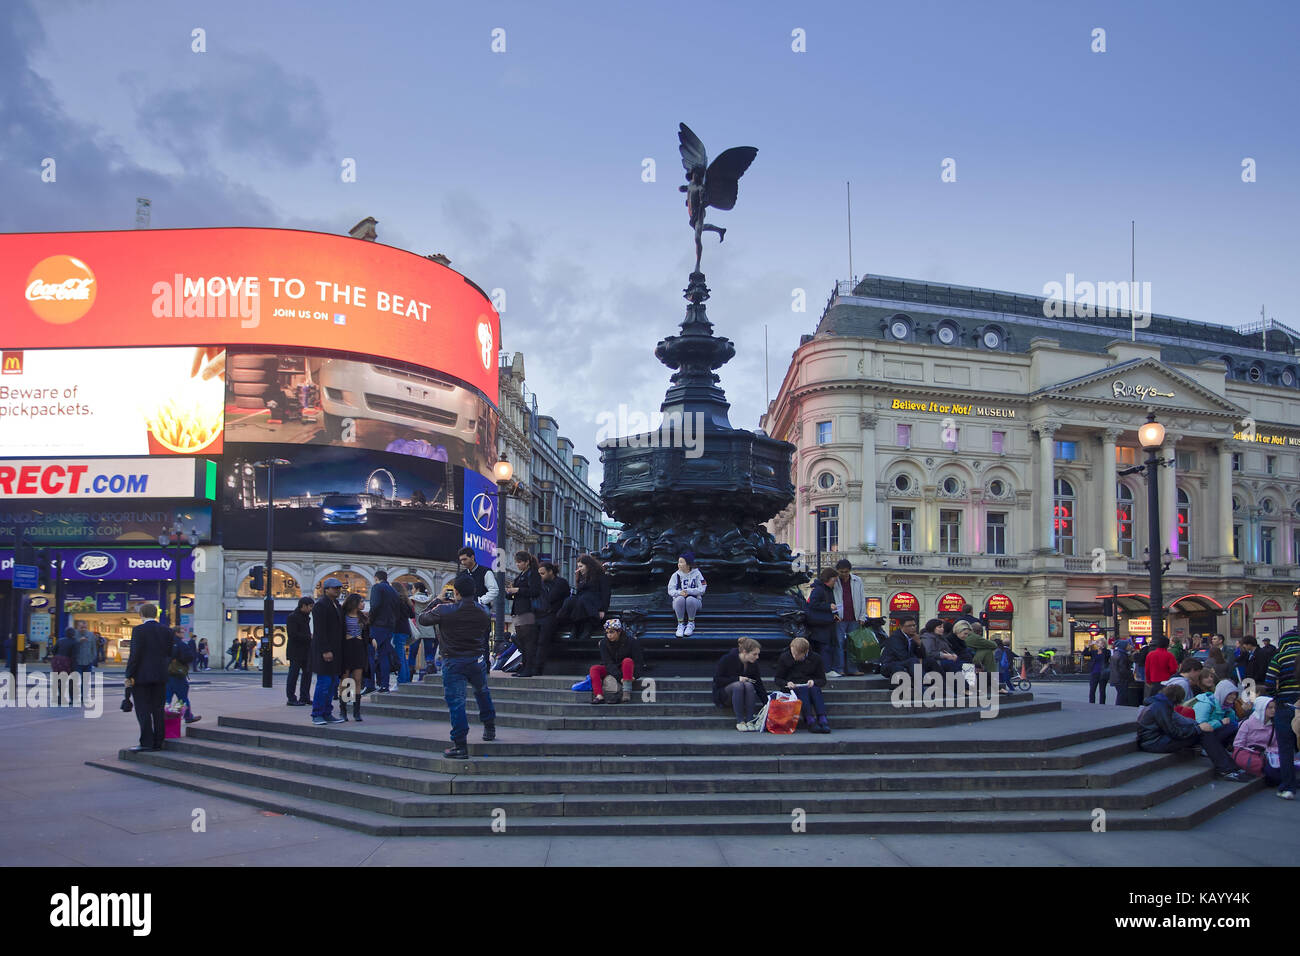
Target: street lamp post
{"x":1152,"y":436}
{"x":268,"y":603}
{"x":176,"y":539}
{"x":503,"y":471}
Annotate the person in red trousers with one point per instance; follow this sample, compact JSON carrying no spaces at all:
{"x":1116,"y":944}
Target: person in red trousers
{"x":620,"y":655}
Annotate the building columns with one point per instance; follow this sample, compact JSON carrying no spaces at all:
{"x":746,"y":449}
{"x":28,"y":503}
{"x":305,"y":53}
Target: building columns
{"x":1168,"y":500}
{"x":1047,"y":486}
{"x":1109,"y":504}
{"x":1225,"y":501}
{"x":867,"y":493}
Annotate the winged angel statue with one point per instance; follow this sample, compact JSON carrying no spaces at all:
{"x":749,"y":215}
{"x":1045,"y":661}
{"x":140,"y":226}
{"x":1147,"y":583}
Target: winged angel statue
{"x":710,"y":184}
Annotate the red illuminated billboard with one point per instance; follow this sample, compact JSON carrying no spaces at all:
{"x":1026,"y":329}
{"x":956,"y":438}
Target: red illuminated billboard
{"x":246,"y":287}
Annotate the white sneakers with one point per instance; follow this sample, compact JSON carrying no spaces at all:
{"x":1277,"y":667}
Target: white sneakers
{"x":690,"y":628}
{"x":833,"y":674}
{"x":1286,"y":794}
{"x":681,"y":629}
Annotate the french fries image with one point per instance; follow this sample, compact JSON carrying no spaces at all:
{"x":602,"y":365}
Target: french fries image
{"x":185,"y":427}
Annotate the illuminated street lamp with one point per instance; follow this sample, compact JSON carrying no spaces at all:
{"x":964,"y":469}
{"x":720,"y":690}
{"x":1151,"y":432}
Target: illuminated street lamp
{"x":1152,"y":436}
{"x":503,"y":471}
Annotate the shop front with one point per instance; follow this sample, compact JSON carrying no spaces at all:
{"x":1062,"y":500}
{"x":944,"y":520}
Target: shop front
{"x":950,"y":607}
{"x":999,"y":612}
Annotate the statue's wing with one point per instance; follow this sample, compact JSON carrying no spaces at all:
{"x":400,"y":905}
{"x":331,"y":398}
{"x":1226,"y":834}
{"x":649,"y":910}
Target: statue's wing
{"x":693,"y":154}
{"x":723,"y":177}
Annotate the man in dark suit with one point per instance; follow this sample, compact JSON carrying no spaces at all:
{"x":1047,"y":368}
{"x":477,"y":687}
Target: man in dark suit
{"x":385,"y":610}
{"x":902,"y":650}
{"x":146,"y":675}
{"x":327,"y":651}
{"x":299,"y":651}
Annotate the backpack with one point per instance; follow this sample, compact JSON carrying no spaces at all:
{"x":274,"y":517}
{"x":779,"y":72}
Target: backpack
{"x":183,"y":652}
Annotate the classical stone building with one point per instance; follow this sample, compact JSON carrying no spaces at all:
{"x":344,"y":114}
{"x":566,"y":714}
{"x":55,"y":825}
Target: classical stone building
{"x":955,"y":442}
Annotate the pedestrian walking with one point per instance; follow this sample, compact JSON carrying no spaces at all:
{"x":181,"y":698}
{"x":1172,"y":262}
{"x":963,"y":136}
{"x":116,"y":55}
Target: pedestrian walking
{"x":461,"y":626}
{"x":402,"y":634}
{"x":297,"y":687}
{"x":61,"y":664}
{"x":327,"y":651}
{"x":385,"y":608}
{"x":178,"y":674}
{"x":146,"y":675}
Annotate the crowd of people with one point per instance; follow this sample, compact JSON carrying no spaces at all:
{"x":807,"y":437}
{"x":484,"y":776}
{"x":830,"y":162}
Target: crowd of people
{"x":1241,"y":714}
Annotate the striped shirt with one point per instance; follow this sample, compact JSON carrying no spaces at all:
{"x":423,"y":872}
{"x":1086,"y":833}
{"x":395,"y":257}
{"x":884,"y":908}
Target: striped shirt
{"x":1282,"y":680}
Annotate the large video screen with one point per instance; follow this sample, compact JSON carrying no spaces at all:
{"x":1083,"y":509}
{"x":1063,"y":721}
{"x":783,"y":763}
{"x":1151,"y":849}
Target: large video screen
{"x":300,"y":398}
{"x":343,"y":500}
{"x":263,"y":288}
{"x":56,"y":402}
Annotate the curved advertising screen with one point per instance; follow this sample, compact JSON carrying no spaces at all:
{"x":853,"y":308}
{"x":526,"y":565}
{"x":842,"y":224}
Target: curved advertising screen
{"x":250,"y":287}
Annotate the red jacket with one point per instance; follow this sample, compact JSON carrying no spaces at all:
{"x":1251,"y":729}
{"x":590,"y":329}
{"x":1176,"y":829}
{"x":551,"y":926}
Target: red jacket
{"x":1160,"y":666}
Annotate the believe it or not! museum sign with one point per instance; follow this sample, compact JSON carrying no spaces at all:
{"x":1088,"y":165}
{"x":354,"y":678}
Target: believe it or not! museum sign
{"x":951,"y":408}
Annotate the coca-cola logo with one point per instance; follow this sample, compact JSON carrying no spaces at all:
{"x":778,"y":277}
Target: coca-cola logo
{"x":61,"y":289}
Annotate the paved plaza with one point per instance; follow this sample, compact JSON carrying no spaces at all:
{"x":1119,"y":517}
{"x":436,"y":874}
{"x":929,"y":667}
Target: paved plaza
{"x":61,"y":812}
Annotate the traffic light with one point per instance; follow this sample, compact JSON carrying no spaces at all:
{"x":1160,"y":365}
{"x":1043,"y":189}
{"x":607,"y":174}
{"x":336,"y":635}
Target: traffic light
{"x":258,"y":575}
{"x":1108,"y":607}
{"x":42,"y":559}
{"x":984,"y":620}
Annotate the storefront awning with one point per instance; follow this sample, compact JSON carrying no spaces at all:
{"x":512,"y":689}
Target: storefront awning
{"x":1196,"y":604}
{"x":1131,"y":603}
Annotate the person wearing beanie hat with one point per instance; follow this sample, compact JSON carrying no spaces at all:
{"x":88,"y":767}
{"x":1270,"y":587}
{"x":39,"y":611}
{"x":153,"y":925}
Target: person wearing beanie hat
{"x":620,"y":654}
{"x":686,"y":587}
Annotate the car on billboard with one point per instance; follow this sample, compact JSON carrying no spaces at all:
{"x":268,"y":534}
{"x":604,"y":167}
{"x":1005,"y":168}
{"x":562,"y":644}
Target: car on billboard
{"x":422,"y":401}
{"x":342,"y":509}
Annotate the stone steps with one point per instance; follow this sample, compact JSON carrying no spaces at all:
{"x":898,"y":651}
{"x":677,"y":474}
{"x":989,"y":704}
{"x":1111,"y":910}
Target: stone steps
{"x":630,"y":716}
{"x":1182,"y":811}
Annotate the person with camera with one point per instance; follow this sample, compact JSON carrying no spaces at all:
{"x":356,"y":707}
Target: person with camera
{"x":461,"y":626}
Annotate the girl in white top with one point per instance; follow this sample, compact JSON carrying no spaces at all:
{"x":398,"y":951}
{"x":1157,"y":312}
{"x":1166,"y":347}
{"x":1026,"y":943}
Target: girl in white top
{"x":686,"y":587}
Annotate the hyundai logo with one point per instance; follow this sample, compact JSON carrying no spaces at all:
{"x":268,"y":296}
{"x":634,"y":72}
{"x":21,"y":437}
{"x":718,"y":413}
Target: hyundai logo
{"x":483,"y":512}
{"x":96,"y":564}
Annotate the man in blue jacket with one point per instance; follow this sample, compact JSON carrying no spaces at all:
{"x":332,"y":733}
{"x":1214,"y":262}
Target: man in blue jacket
{"x":461,"y":628}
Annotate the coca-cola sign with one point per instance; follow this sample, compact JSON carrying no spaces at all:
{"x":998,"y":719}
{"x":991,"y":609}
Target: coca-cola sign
{"x":60,"y":289}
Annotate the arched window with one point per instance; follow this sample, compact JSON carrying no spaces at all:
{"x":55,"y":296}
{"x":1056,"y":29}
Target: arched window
{"x":352,"y":582}
{"x":283,"y":586}
{"x":1184,"y":524}
{"x":1124,"y":516}
{"x":1063,"y":515}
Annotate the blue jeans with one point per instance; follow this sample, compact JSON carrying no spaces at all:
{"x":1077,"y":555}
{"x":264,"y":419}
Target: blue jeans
{"x":814,"y":705}
{"x":403,"y":665}
{"x":383,"y":638}
{"x":1283,"y":714}
{"x":179,"y":688}
{"x":456,"y":673}
{"x":322,"y":701}
{"x":839,"y":652}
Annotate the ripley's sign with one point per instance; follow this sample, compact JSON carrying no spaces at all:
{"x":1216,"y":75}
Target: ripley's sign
{"x":1124,"y":390}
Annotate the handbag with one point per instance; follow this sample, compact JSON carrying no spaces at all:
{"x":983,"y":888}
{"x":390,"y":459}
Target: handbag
{"x":759,"y":721}
{"x":782,"y":713}
{"x":1251,"y":761}
{"x":178,"y":670}
{"x":60,"y":664}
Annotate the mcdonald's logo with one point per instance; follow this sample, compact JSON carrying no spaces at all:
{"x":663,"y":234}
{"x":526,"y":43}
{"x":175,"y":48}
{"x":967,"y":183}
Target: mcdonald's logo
{"x":12,"y":363}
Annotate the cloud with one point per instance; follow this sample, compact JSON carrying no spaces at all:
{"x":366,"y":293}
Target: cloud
{"x":96,"y":178}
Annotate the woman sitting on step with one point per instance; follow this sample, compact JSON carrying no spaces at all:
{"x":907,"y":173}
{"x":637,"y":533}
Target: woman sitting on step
{"x":805,"y":674}
{"x":686,"y":588}
{"x":736,"y":682}
{"x":620,"y":653}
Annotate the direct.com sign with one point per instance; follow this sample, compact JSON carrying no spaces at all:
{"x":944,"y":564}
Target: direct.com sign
{"x":98,"y":478}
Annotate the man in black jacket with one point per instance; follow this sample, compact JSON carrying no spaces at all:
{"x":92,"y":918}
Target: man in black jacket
{"x":299,"y":651}
{"x":146,"y":675}
{"x":385,"y":609}
{"x":555,"y":589}
{"x":902,"y":649}
{"x":461,"y":627}
{"x":327,"y":651}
